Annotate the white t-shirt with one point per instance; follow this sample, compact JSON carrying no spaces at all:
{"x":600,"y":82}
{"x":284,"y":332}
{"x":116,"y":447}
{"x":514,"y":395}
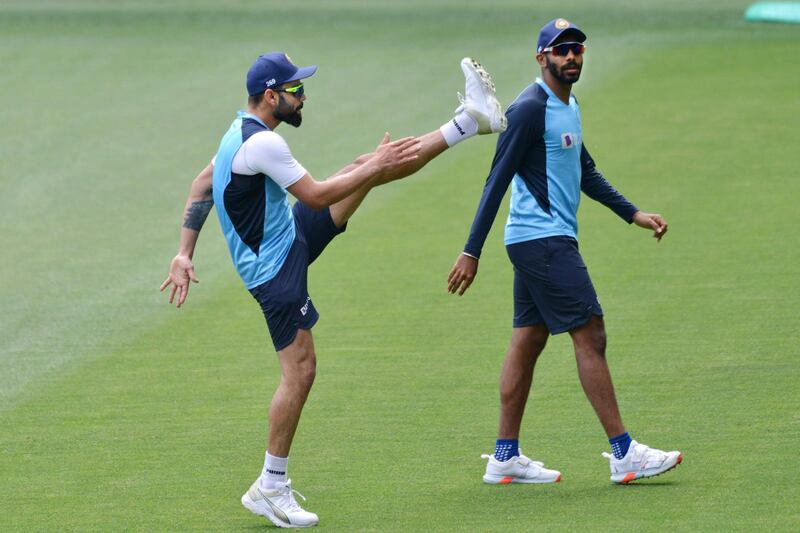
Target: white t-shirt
{"x":267,"y":153}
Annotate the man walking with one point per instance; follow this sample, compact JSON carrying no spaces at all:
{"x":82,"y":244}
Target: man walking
{"x":272,"y":244}
{"x":542,"y":154}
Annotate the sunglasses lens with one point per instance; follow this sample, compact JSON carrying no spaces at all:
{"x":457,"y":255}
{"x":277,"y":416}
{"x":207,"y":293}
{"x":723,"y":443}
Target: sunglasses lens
{"x":297,"y":90}
{"x":565,"y":48}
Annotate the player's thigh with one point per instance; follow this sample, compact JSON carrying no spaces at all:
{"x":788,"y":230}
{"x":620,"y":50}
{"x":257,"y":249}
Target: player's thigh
{"x":284,"y":300}
{"x":298,"y":359}
{"x":317,"y":228}
{"x":530,"y":340}
{"x":528,"y":271}
{"x":558,"y":281}
{"x":569,"y":289}
{"x":590,"y":336}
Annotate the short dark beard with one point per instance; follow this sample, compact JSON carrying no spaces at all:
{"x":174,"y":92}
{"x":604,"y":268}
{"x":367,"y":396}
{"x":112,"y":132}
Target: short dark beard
{"x":285,"y":112}
{"x":559,"y":73}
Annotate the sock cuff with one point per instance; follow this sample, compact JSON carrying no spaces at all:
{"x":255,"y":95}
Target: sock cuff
{"x":458,"y":128}
{"x":620,"y":445}
{"x":619,"y":438}
{"x":505,"y":449}
{"x":277,"y":464}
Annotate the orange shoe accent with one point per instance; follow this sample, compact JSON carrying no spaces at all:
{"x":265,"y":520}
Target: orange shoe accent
{"x":680,"y":458}
{"x":558,"y":479}
{"x":506,"y":480}
{"x":630,"y":476}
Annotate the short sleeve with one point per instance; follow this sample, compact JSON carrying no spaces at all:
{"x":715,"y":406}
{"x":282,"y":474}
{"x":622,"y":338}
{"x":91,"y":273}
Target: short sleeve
{"x":267,"y":152}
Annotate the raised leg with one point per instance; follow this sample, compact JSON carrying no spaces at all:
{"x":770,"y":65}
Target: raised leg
{"x":433,"y":144}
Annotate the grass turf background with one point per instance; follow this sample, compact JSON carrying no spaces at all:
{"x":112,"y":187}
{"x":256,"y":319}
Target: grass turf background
{"x":117,"y":412}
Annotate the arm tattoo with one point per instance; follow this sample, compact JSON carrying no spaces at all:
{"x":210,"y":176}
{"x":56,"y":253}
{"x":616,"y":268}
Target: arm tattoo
{"x":196,"y":214}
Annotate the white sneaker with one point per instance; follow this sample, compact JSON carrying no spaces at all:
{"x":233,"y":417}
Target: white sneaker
{"x":481,"y":102}
{"x":641,"y":461}
{"x":279,"y":505}
{"x":518,"y":469}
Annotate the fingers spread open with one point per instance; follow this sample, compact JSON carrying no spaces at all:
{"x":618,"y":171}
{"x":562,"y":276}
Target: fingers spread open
{"x":184,"y":292}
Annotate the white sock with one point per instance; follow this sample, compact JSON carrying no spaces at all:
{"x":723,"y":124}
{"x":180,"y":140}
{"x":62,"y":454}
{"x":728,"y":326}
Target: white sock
{"x":459,"y":128}
{"x":274,"y":471}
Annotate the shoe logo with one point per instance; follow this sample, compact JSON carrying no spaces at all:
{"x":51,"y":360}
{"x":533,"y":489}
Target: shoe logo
{"x":304,"y":309}
{"x":458,"y":127}
{"x":275,"y":509}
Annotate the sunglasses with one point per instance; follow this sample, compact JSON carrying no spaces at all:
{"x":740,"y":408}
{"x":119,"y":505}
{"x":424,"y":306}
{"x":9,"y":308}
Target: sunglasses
{"x":297,"y":90}
{"x":564,"y":49}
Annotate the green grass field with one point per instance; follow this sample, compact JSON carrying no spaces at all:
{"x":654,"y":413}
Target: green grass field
{"x":118,"y":412}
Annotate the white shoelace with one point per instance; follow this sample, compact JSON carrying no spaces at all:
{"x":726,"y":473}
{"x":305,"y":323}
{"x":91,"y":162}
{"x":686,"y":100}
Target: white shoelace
{"x":642,"y":454}
{"x":287,"y":492}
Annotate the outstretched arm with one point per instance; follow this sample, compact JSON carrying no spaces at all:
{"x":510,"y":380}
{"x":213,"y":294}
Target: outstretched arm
{"x":198,"y":205}
{"x":387,"y":158}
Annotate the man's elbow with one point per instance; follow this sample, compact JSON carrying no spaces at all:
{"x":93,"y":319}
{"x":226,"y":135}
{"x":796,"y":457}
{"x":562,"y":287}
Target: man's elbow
{"x":315,"y":202}
{"x":313,"y":194}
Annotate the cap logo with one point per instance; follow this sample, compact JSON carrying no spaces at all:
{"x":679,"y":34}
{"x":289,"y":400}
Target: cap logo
{"x":562,"y":24}
{"x":271,"y":82}
{"x":289,"y":59}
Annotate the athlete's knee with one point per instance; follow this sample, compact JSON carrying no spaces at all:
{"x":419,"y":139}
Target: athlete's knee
{"x":308,"y":370}
{"x":304,"y":370}
{"x":598,"y":335}
{"x":590,"y":339}
{"x":530,"y":341}
{"x":299,"y":363}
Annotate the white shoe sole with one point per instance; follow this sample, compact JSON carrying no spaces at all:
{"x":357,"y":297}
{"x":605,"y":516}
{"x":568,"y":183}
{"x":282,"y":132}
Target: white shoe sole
{"x":624,"y":479}
{"x":489,"y":93}
{"x":267,"y":513}
{"x":505,"y":480}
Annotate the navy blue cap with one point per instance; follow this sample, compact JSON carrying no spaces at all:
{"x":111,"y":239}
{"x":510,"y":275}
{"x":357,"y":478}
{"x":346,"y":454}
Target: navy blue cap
{"x":553,"y":30}
{"x":272,"y":70}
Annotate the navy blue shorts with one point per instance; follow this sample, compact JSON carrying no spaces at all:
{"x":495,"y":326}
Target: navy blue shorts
{"x":284,"y":299}
{"x":551,"y":285}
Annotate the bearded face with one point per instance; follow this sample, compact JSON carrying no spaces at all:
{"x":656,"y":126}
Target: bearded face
{"x":565,"y":69}
{"x":289,"y":112}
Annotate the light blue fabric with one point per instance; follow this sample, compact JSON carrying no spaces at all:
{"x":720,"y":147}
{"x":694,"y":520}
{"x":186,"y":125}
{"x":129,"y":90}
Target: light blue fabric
{"x":563,"y":137}
{"x":278,"y":224}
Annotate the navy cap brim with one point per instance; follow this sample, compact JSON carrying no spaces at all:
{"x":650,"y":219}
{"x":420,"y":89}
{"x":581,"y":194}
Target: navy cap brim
{"x":581,"y":36}
{"x":303,"y":73}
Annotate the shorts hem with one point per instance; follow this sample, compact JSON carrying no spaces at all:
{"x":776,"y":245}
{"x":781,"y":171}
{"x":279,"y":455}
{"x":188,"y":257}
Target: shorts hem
{"x":527,"y":324}
{"x":307,"y":327}
{"x":577,"y":323}
{"x":336,"y":230}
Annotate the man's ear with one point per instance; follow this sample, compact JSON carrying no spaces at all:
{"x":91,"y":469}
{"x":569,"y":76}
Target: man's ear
{"x":271,"y":97}
{"x":541,"y":60}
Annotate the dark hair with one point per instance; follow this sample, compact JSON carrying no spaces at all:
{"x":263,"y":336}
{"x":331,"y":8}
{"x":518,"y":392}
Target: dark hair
{"x":255,"y":100}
